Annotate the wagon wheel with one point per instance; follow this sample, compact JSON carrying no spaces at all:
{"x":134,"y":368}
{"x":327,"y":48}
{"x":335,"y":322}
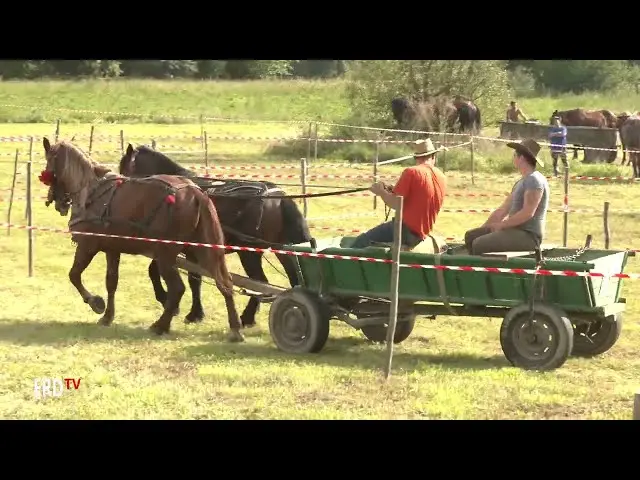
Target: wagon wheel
{"x":542,"y":344}
{"x":595,"y":338}
{"x":299,"y":321}
{"x":378,"y":333}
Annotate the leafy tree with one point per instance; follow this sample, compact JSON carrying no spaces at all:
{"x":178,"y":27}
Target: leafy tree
{"x":372,"y":84}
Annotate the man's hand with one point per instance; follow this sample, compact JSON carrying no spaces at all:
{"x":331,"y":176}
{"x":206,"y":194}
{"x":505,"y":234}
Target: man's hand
{"x":377,"y":188}
{"x":496,"y":226}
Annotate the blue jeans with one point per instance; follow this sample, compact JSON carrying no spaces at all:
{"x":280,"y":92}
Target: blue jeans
{"x":383,"y":233}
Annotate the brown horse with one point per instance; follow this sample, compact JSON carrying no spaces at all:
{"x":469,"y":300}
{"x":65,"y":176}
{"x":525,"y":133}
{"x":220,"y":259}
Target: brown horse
{"x":620,"y":119}
{"x":161,"y":206}
{"x":630,"y":138}
{"x":579,"y":117}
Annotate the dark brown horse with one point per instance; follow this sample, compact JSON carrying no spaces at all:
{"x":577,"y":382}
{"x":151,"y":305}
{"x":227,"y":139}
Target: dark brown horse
{"x":248,"y":216}
{"x":162,"y":206}
{"x":630,"y":138}
{"x":579,"y":117}
{"x":437,"y":114}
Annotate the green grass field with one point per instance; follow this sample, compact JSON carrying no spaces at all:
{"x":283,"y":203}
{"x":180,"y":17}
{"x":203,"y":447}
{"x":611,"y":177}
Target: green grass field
{"x":451,"y":368}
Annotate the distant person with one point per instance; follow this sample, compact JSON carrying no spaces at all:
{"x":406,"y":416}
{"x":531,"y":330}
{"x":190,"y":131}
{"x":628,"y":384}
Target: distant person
{"x":423,"y":188}
{"x":519,"y":223}
{"x":558,"y":141}
{"x":514,"y":113}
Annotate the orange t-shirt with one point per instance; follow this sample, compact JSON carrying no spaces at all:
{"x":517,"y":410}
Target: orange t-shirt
{"x":423,"y":188}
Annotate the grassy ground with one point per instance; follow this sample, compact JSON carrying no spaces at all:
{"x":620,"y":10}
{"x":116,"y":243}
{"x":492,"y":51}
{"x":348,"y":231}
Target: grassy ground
{"x":448,"y":368}
{"x":162,"y":101}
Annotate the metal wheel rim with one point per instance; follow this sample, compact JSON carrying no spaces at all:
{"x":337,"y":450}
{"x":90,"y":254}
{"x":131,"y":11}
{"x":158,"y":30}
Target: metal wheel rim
{"x":535,"y":342}
{"x":589,"y":333}
{"x":293,"y":325}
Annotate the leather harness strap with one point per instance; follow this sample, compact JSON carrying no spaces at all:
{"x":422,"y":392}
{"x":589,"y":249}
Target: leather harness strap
{"x":442,"y":285}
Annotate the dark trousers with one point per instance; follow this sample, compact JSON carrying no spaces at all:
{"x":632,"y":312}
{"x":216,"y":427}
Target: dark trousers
{"x":554,"y":157}
{"x":383,"y":233}
{"x":483,"y":240}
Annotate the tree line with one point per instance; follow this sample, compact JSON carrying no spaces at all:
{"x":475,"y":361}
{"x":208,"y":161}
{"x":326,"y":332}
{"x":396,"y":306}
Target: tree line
{"x":524,"y":76}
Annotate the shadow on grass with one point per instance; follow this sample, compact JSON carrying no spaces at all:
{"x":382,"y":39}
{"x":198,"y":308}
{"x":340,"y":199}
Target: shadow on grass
{"x":341,"y":352}
{"x":50,"y":332}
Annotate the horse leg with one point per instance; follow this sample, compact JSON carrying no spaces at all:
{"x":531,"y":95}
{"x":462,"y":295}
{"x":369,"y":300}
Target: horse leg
{"x":113,"y":267}
{"x":252,"y":264}
{"x":235,"y":335}
{"x":81,"y":260}
{"x":158,"y":289}
{"x":175,"y":291}
{"x":161,"y":295}
{"x":195,"y":284}
{"x":289,"y":264}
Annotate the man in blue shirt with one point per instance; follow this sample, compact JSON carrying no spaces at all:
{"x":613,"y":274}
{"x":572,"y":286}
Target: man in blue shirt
{"x":558,"y":141}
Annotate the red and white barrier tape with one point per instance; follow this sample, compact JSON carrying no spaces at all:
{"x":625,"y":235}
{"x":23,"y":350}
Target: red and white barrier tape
{"x":520,"y":271}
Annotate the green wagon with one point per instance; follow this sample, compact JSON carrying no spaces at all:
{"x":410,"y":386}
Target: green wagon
{"x":544,"y":321}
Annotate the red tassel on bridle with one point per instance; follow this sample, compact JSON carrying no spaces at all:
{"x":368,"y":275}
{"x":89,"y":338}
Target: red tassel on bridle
{"x":47,"y":177}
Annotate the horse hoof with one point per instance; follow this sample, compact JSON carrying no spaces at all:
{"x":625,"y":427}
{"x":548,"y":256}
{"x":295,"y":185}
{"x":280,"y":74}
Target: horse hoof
{"x":234,"y":336}
{"x":194,"y":317}
{"x":97,"y":304}
{"x":249,"y":325}
{"x":159,"y":329}
{"x":105,"y":322}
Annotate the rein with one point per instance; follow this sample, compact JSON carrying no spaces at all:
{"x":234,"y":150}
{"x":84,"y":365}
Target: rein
{"x":306,"y":195}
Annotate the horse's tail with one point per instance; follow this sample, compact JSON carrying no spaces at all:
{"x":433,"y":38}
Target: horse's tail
{"x":478,"y":119}
{"x":209,"y":230}
{"x":296,"y":228}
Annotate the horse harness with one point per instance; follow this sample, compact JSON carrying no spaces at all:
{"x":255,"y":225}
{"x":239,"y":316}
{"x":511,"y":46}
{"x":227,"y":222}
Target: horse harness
{"x":97,"y":208}
{"x":246,"y":190}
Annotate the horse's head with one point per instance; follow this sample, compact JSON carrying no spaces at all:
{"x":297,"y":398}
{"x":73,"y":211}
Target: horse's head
{"x":128,"y":162}
{"x":621,"y":118}
{"x":49,"y":176}
{"x":67,"y":172}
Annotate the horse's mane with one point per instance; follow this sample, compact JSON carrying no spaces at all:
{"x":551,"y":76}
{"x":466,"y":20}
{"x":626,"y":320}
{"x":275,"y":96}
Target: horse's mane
{"x":77,"y":169}
{"x":159,"y":155}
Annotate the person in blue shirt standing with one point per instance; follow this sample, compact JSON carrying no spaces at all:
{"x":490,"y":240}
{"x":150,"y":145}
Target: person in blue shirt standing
{"x":558,"y":141}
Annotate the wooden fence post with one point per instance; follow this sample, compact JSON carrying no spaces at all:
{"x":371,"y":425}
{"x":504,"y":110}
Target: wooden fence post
{"x":91,"y":138}
{"x":605,"y":219}
{"x":315,"y":144}
{"x":395,"y":280}
{"x":636,"y":406}
{"x":303,"y":182}
{"x":29,"y":213}
{"x":473,"y":162}
{"x":565,"y":207}
{"x":206,"y":151}
{"x":57,"y":134}
{"x":375,"y":173}
{"x":13,"y":188}
{"x":122,"y":142}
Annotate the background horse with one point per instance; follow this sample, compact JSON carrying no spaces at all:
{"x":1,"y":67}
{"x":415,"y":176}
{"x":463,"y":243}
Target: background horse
{"x":162,"y":206}
{"x":630,"y":138}
{"x":438,"y":113}
{"x":248,"y":217}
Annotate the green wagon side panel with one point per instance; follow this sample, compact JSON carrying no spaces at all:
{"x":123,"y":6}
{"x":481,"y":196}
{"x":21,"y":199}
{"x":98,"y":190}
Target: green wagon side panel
{"x":348,"y":278}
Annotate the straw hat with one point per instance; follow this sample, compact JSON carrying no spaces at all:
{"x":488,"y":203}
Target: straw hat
{"x":425,"y":148}
{"x":529,"y":148}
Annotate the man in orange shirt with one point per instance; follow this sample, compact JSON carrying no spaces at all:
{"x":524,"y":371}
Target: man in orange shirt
{"x":423,"y":188}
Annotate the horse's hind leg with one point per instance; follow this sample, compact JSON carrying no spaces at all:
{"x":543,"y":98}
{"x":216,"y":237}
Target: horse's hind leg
{"x":175,"y":291}
{"x":158,"y":289}
{"x":81,"y":260}
{"x":113,"y":268}
{"x":252,"y":264}
{"x":195,"y":284}
{"x":290,"y":268}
